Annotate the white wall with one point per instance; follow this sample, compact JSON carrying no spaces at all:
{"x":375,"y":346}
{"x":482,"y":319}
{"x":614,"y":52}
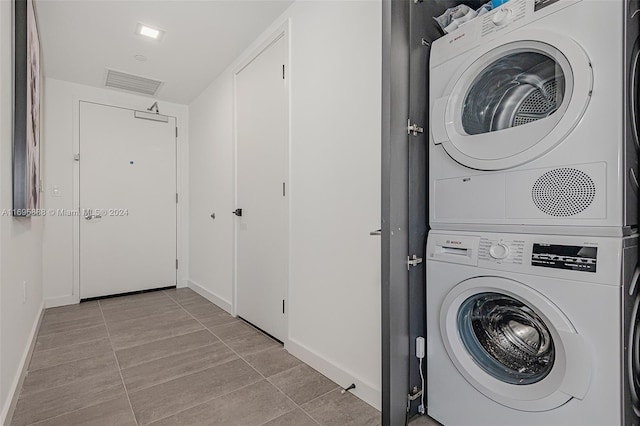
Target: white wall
{"x":60,"y":131}
{"x":211,"y":190}
{"x":20,"y":246}
{"x":334,"y":293}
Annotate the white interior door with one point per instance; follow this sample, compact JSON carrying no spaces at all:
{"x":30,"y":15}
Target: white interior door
{"x":262,"y":171}
{"x":127,"y":201}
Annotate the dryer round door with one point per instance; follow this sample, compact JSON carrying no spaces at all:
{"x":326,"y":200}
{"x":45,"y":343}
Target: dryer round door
{"x":513,"y":101}
{"x":514,"y":345}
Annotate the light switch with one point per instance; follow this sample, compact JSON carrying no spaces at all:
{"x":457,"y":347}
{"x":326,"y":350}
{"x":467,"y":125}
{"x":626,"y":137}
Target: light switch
{"x":55,"y":191}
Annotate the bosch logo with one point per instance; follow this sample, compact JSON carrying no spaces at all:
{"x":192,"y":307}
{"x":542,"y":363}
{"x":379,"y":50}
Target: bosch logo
{"x":457,"y":38}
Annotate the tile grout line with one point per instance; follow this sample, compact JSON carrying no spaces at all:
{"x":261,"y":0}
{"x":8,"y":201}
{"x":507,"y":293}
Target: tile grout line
{"x":126,"y":392}
{"x":65,"y":362}
{"x":202,"y":403}
{"x":69,"y":412}
{"x":64,"y":384}
{"x":177,"y":377}
{"x":221,"y":341}
{"x":164,"y":356}
{"x":249,"y":364}
{"x":320,"y":396}
{"x":68,"y":362}
{"x":246,"y":362}
{"x":277,"y":417}
{"x":57,"y":365}
{"x":296,"y":404}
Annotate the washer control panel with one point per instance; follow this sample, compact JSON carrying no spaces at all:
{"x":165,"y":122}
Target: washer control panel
{"x":512,"y":11}
{"x":501,"y":250}
{"x":573,"y":258}
{"x":587,"y":259}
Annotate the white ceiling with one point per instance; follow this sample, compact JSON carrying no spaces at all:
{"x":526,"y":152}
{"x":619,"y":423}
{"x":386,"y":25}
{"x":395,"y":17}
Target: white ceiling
{"x":81,"y":38}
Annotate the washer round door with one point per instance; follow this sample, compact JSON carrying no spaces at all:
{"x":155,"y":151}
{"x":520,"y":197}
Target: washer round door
{"x":633,"y":345}
{"x":513,"y":101}
{"x":513,"y":344}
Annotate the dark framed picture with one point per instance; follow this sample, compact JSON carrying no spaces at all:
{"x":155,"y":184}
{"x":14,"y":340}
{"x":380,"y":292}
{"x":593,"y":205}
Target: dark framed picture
{"x":26,"y":111}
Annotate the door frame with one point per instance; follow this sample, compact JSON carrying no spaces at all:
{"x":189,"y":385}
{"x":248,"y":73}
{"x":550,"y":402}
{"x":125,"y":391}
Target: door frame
{"x":181,"y":182}
{"x":282,"y":32}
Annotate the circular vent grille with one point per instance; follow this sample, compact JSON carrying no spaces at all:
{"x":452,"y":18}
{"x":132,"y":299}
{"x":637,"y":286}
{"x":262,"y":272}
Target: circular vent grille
{"x":563,"y":192}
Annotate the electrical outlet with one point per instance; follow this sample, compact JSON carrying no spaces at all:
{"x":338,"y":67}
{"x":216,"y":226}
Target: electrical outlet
{"x":24,"y":292}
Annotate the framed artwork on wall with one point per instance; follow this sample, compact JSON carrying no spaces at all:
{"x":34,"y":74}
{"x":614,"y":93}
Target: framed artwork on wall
{"x":26,"y":109}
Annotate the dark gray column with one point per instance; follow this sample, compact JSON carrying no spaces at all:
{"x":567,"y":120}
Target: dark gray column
{"x":395,"y":296}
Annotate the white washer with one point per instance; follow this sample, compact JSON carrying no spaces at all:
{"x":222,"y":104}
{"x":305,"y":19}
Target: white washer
{"x":529,"y":329}
{"x":531,"y":110}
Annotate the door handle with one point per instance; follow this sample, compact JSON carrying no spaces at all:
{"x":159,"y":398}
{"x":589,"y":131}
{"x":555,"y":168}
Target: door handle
{"x":376,"y":233}
{"x":237,"y":212}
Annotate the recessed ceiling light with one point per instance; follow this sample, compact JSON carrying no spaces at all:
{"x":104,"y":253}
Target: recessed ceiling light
{"x":147,"y":31}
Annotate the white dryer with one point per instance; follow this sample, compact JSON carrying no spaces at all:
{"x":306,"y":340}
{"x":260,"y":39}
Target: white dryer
{"x":533,"y":120}
{"x":529,"y":329}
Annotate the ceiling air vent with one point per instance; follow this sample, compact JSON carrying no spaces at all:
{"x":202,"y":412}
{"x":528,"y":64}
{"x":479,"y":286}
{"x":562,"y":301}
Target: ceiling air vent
{"x":132,"y":83}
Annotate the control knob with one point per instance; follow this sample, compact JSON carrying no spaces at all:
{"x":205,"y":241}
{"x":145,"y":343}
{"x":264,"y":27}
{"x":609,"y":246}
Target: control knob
{"x":502,"y":16}
{"x":499,"y":251}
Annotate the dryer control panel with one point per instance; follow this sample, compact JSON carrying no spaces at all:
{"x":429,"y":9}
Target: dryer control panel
{"x":509,"y":16}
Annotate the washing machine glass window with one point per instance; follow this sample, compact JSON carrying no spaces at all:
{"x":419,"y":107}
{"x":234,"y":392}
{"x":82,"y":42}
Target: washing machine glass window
{"x":506,"y":338}
{"x":516,"y":89}
{"x":634,"y":358}
{"x":633,"y":92}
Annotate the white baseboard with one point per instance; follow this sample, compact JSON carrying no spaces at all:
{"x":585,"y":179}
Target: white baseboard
{"x":212,"y":297}
{"x":365,"y":391}
{"x":54,"y":302}
{"x":14,"y":391}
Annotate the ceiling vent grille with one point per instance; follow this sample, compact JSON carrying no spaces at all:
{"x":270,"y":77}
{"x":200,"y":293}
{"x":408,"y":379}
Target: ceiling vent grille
{"x":132,"y":83}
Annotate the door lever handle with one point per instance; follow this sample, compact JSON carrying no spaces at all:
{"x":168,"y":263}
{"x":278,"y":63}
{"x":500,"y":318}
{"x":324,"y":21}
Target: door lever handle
{"x":92,"y":216}
{"x":376,"y":233}
{"x":237,"y":212}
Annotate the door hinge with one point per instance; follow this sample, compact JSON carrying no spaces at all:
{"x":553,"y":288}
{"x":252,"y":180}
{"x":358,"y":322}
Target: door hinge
{"x":176,"y":198}
{"x":283,"y":71}
{"x":413,"y":129}
{"x":284,"y":190}
{"x":176,"y":263}
{"x":176,"y":131}
{"x":413,"y":261}
{"x":283,"y":306}
{"x":76,"y":157}
{"x":412,"y":397}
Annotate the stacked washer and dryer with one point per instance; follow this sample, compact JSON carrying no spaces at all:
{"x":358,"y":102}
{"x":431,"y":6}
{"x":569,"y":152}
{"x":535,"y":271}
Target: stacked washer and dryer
{"x":533,"y":280}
